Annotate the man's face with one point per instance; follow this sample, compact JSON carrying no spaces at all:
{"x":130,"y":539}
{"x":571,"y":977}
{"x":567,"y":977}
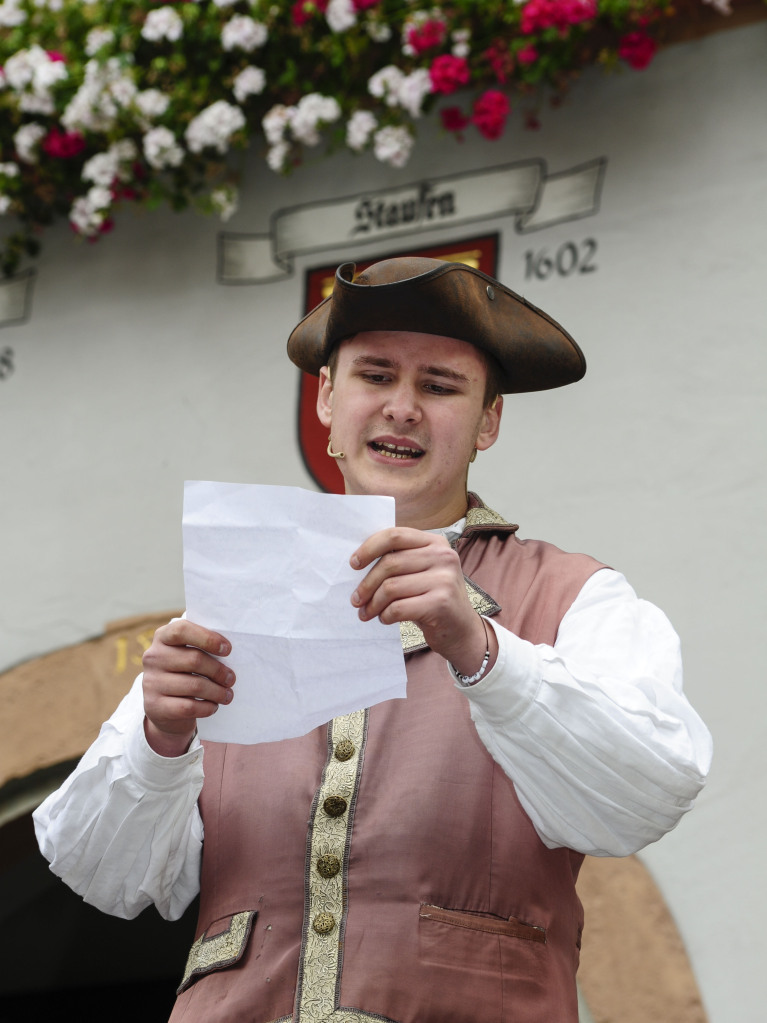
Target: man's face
{"x":407,"y":411}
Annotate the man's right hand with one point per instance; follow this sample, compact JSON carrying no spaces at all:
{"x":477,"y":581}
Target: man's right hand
{"x":183,"y":681}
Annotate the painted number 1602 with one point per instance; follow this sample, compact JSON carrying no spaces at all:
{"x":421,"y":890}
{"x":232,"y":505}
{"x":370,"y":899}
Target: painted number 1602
{"x":568,"y":259}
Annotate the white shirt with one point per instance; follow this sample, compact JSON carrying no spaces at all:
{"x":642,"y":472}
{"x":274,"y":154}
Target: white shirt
{"x":604,"y":750}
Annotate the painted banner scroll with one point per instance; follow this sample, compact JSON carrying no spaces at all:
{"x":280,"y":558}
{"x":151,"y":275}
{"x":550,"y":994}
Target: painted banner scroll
{"x":523,"y":190}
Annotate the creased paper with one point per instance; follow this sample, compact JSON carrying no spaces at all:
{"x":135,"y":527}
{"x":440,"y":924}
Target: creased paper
{"x":268,"y":567}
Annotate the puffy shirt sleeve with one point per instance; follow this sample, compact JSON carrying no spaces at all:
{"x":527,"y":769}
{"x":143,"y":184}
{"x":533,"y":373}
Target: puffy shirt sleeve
{"x":605,"y":752}
{"x":124,"y":830}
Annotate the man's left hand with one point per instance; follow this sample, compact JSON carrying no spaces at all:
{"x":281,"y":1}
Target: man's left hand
{"x":418,"y":578}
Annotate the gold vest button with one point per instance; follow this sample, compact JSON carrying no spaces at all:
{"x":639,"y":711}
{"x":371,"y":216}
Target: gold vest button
{"x":324,"y":923}
{"x":328,"y":865}
{"x":344,"y":750}
{"x":334,"y":806}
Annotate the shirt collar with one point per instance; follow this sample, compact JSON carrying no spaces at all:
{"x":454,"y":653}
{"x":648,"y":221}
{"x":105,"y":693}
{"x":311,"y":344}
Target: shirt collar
{"x":451,"y":533}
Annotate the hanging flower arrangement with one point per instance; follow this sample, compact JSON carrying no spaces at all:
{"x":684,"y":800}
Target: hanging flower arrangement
{"x":112,"y":102}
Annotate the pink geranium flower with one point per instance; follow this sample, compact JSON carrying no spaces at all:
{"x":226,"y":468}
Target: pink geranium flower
{"x":427,"y":36}
{"x":637,"y":49}
{"x":63,"y":145}
{"x":304,"y":10}
{"x":125,"y":192}
{"x":500,"y":60}
{"x":490,"y":113}
{"x":538,"y":15}
{"x":448,"y":73}
{"x":453,"y":119}
{"x":527,"y":55}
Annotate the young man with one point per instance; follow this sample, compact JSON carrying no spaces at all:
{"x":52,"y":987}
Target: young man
{"x":414,"y":862}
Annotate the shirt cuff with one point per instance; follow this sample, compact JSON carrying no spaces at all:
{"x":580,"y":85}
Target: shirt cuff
{"x":155,"y":771}
{"x":512,"y":684}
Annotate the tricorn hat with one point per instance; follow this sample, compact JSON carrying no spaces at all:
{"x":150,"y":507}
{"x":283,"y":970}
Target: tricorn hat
{"x":432,"y":296}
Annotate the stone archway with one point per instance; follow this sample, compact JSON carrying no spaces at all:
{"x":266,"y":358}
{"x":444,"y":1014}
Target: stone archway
{"x":634,"y":967}
{"x":61,"y":953}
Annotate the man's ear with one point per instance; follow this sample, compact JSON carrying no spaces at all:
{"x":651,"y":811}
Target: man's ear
{"x":325,"y":397}
{"x":490,"y":425}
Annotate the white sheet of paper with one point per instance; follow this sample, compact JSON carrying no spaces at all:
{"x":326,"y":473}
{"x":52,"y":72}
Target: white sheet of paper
{"x":268,"y":567}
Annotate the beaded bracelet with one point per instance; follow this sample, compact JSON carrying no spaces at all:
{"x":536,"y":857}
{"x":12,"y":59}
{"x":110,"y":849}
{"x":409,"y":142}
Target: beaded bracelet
{"x":467,"y":680}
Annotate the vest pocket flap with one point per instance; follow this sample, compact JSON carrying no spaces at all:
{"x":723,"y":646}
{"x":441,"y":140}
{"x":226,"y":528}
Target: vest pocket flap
{"x":222,"y":944}
{"x":510,"y":926}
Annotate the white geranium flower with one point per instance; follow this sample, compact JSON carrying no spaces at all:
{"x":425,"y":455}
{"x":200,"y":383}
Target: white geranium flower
{"x":34,"y":103}
{"x":27,"y":139}
{"x":316,"y":107}
{"x":340,"y":15}
{"x":123,"y":90}
{"x":99,"y":197}
{"x":214,"y":127}
{"x":89,"y":211}
{"x":32,"y":73}
{"x":225,"y":201}
{"x":124,"y":149}
{"x":412,"y":91}
{"x":249,"y":82}
{"x":275,"y":157}
{"x":19,"y":69}
{"x":460,"y":47}
{"x":304,"y":127}
{"x":101,"y":169}
{"x":311,"y":111}
{"x":11,"y":14}
{"x":48,"y":72}
{"x":392,"y":145}
{"x":162,"y":23}
{"x":152,"y":103}
{"x":243,"y":33}
{"x":96,"y":104}
{"x":86,"y":112}
{"x":96,"y":38}
{"x":79,"y":216}
{"x":5,"y":204}
{"x":274,"y":123}
{"x":10,"y":170}
{"x":34,"y":69}
{"x":161,"y":148}
{"x":360,"y":127}
{"x":378,"y":31}
{"x":385,"y":83}
{"x":400,"y":90}
{"x":85,"y":217}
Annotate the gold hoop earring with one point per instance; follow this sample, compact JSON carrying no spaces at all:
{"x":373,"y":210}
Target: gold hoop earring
{"x":473,"y":456}
{"x":334,"y":454}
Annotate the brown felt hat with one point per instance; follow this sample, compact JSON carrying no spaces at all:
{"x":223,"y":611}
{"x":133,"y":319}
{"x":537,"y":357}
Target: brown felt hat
{"x":432,"y":296}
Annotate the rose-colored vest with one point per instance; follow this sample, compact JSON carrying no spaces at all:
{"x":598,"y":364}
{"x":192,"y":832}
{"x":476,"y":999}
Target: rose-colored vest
{"x":382,"y":868}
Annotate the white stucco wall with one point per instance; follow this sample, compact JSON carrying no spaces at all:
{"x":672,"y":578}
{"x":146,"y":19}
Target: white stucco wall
{"x":137,"y":371}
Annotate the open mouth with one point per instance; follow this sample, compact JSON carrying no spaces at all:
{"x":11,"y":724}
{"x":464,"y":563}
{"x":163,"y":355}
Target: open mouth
{"x":396,"y":450}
